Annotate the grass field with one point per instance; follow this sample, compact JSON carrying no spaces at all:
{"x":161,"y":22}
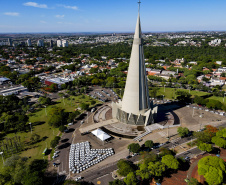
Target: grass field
{"x":40,"y":126}
{"x":169,"y":93}
{"x":218,"y":98}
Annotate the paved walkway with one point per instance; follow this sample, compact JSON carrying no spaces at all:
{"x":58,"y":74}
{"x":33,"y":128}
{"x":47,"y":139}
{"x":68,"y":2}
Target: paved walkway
{"x":97,"y":125}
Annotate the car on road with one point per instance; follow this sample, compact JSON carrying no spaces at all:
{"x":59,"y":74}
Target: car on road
{"x":129,"y":156}
{"x":93,"y":109}
{"x":57,"y":151}
{"x":70,"y":124}
{"x":55,"y":156}
{"x":135,"y":154}
{"x":82,"y":121}
{"x":78,"y":178}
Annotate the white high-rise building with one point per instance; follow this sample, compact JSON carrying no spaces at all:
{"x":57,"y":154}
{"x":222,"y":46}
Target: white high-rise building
{"x":59,"y":43}
{"x":40,"y":43}
{"x":64,"y":43}
{"x":29,"y":42}
{"x":135,"y":107}
{"x":10,"y":42}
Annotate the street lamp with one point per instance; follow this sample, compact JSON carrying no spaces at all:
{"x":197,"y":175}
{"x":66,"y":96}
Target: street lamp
{"x":30,"y":127}
{"x":200,"y":121}
{"x":1,"y":153}
{"x":45,"y":110}
{"x":224,"y":97}
{"x":63,"y":100}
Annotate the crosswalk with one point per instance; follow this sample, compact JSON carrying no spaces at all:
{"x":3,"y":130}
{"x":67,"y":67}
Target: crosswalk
{"x":149,"y":129}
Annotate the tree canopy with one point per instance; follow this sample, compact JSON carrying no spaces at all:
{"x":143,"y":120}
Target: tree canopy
{"x":125,"y":167}
{"x":134,"y":147}
{"x":182,"y":131}
{"x":212,"y":168}
{"x":170,"y":161}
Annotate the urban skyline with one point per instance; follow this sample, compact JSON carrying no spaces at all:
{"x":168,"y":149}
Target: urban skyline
{"x":110,"y":16}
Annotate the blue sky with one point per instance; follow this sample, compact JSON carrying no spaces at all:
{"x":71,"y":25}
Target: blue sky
{"x":111,"y":16}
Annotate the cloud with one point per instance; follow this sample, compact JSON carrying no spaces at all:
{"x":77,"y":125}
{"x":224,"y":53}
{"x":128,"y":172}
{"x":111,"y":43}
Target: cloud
{"x":43,"y":22}
{"x":35,"y":5}
{"x":59,"y":16}
{"x":69,"y":7}
{"x":12,"y":13}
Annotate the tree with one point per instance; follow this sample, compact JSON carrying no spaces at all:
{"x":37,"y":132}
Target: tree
{"x":205,"y":147}
{"x":149,"y":144}
{"x":211,"y":130}
{"x":143,"y":171}
{"x":117,"y":182}
{"x":183,"y":96}
{"x":203,"y":137}
{"x":125,"y":167}
{"x":182,"y":131}
{"x":35,"y":138}
{"x":72,"y":116}
{"x":212,"y":168}
{"x":84,"y":106}
{"x":92,"y":102}
{"x":57,"y":116}
{"x":170,"y":161}
{"x":44,"y":100}
{"x":193,"y":181}
{"x":134,"y":147}
{"x":156,"y":169}
{"x":220,"y":137}
{"x":131,"y":179}
{"x":62,"y":128}
{"x":71,"y":182}
{"x":147,"y":157}
{"x":54,"y":142}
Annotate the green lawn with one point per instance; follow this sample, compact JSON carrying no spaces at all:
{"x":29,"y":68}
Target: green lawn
{"x":169,"y":93}
{"x":40,"y":126}
{"x":218,"y":98}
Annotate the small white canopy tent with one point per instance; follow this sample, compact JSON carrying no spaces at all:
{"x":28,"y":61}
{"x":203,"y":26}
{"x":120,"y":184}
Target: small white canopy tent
{"x":101,"y":134}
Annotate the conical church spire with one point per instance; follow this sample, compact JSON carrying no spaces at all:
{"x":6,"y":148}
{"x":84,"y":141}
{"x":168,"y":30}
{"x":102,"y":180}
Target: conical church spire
{"x":136,"y":97}
{"x":135,"y":108}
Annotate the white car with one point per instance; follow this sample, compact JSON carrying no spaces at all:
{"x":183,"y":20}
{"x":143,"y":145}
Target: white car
{"x":55,"y":156}
{"x":70,"y":124}
{"x":78,"y":178}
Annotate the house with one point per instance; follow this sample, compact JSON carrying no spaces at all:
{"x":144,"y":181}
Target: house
{"x":221,"y":69}
{"x":216,"y":81}
{"x":219,"y":62}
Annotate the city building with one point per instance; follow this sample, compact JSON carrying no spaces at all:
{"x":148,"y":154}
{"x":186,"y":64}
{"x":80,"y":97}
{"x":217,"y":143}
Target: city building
{"x":59,"y":43}
{"x":40,"y":43}
{"x":29,"y":43}
{"x":10,"y":42}
{"x":64,"y":43}
{"x":135,"y":108}
{"x":51,"y":43}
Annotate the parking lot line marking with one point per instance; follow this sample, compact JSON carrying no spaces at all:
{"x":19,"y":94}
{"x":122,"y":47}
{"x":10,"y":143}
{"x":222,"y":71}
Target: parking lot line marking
{"x":102,"y":176}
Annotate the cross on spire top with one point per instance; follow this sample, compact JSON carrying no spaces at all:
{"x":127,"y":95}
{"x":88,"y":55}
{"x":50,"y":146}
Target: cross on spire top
{"x":139,"y":6}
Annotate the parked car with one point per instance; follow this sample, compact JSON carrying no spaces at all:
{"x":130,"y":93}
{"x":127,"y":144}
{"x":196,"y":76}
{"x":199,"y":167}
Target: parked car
{"x":78,"y":178}
{"x":129,"y":156}
{"x":70,"y":124}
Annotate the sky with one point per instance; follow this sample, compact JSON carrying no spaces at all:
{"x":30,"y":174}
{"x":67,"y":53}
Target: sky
{"x":28,"y":16}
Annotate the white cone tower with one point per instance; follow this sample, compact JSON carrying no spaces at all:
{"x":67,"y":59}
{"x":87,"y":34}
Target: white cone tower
{"x":135,"y":107}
